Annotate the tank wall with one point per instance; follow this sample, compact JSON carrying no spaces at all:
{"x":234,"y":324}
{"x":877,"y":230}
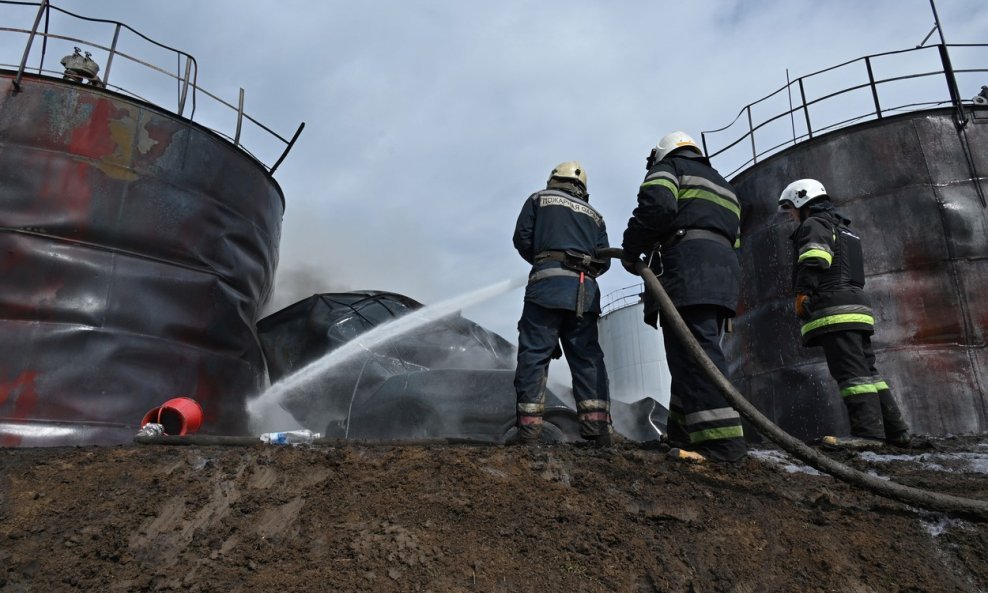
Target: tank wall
{"x":137,"y":250}
{"x":906,"y":185}
{"x":635,"y":357}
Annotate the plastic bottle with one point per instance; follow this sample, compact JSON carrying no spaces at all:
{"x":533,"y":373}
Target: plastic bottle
{"x":290,"y":437}
{"x":151,"y":429}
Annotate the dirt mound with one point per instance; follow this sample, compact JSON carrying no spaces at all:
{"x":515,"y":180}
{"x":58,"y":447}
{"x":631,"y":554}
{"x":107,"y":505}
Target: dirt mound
{"x":461,"y":518}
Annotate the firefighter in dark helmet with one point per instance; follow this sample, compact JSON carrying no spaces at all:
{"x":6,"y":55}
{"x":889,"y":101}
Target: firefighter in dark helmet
{"x":559,"y":233}
{"x":685,"y":226}
{"x":835,"y":313}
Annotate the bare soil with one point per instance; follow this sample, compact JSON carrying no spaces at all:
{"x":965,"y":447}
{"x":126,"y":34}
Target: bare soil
{"x":561,"y":518}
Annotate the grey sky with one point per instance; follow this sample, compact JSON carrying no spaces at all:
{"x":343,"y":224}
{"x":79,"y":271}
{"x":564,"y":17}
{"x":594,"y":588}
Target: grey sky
{"x":428,"y":123}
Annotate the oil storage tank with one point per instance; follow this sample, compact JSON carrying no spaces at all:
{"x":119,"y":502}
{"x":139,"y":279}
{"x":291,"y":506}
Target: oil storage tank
{"x":137,"y":248}
{"x":633,"y":352}
{"x":913,"y":183}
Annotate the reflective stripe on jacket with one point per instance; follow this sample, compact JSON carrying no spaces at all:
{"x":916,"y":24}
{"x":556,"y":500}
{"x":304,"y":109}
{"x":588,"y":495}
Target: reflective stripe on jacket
{"x":556,"y":220}
{"x":683,"y":192}
{"x":829,"y":268}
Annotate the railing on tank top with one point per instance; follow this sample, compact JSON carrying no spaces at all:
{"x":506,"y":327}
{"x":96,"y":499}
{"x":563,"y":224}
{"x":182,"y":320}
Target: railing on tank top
{"x":185,"y":75}
{"x":783,"y":118}
{"x":621,"y":298}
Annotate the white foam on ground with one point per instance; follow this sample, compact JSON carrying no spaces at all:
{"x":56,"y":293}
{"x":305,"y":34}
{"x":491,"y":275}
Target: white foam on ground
{"x":936,"y":526}
{"x":973,"y":462}
{"x":781,"y":459}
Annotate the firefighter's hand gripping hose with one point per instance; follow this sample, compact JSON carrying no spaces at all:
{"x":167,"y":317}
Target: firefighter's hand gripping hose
{"x":974,"y":509}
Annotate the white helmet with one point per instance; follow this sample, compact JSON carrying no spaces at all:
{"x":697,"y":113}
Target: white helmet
{"x":571,"y":170}
{"x":802,"y":192}
{"x":673,"y":141}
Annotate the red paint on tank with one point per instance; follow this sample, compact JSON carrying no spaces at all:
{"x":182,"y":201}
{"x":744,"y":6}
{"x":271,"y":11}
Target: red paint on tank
{"x":94,"y":138}
{"x":21,"y":395}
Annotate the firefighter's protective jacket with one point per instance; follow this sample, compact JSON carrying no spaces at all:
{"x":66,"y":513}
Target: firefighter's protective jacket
{"x":829,"y":268}
{"x":682,"y":192}
{"x":559,"y":219}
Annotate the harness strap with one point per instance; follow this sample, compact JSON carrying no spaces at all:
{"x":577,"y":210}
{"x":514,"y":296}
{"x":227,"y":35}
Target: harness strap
{"x":580,"y":292}
{"x":575,"y":260}
{"x":550,"y":272}
{"x":550,"y":255}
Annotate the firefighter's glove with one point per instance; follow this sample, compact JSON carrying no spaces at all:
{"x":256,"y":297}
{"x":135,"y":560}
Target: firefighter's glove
{"x":628,"y":260}
{"x":557,"y":352}
{"x":800,"y":304}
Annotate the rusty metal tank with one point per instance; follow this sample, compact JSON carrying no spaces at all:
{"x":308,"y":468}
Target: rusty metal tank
{"x":137,"y":248}
{"x":912,"y":187}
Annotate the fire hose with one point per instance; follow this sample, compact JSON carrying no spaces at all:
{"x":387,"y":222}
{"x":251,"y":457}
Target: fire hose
{"x":955,"y":505}
{"x":975,"y":509}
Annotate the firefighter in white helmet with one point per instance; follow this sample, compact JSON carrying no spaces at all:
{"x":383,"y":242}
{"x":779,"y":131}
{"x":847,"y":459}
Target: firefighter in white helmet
{"x":686,"y":225}
{"x":831,"y":304}
{"x":560,"y":234}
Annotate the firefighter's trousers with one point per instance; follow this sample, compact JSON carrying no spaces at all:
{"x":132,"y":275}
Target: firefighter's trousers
{"x":539,"y":330}
{"x":871,"y":409}
{"x":711,"y":425}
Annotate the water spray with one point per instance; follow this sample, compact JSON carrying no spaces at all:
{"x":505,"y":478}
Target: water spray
{"x":377,"y":336}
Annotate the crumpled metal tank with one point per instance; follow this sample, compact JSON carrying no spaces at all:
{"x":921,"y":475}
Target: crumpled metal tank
{"x":136,"y":249}
{"x":908,"y":187}
{"x":451,"y":378}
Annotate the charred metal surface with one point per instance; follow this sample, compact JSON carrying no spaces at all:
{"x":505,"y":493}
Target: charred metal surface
{"x":305,"y":331}
{"x":448,"y":379}
{"x":908,"y":188}
{"x":136,"y":250}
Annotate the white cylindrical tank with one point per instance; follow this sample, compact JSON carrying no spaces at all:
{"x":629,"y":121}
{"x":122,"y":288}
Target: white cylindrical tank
{"x":633,"y":352}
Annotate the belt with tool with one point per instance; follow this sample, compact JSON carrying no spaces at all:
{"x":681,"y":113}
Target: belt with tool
{"x":678,"y":236}
{"x":574,"y":264}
